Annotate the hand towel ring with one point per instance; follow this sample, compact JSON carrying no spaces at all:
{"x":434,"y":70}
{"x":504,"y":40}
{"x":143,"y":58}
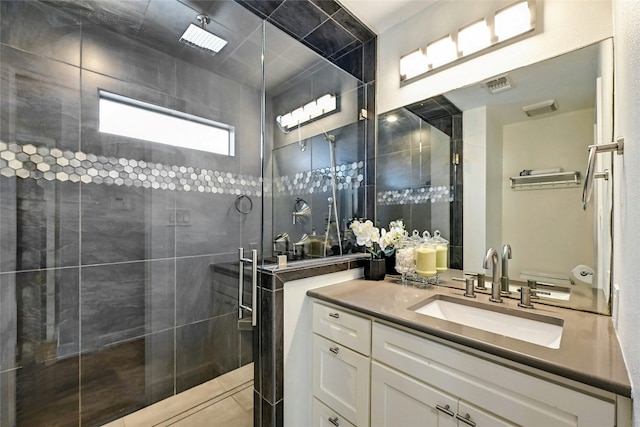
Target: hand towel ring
{"x":239,"y":201}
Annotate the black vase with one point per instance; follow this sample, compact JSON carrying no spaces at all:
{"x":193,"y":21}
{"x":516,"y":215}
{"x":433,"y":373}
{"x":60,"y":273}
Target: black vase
{"x":375,"y":269}
{"x":390,"y":261}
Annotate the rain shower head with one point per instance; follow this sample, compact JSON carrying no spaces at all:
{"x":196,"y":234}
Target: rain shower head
{"x":202,"y":39}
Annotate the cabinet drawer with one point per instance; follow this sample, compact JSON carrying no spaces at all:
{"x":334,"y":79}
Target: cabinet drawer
{"x":342,"y":327}
{"x":323,"y":416}
{"x":510,"y":394}
{"x":341,"y":380}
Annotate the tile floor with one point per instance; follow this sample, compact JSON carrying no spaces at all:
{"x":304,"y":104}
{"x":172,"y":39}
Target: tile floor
{"x":225,"y":401}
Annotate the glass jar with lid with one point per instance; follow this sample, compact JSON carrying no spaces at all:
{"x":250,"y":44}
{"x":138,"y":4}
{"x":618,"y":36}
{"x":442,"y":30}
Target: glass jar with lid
{"x":426,"y":256}
{"x":442,"y":252}
{"x":405,"y":258}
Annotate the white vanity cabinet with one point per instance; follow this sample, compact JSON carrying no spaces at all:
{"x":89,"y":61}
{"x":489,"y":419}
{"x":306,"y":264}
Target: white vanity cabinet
{"x":416,"y":378}
{"x":341,"y":367}
{"x":398,"y":400}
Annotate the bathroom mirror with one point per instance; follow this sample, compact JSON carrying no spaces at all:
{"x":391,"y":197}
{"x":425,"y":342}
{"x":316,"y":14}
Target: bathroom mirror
{"x":516,"y":150}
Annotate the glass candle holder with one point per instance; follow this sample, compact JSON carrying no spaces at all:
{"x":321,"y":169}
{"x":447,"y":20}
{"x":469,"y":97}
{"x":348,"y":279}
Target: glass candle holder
{"x":405,"y":259}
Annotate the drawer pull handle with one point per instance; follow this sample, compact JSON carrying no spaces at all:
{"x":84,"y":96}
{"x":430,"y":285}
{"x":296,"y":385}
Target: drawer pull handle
{"x":445,"y":409}
{"x":334,"y":350}
{"x":334,"y":421}
{"x":334,"y":315}
{"x":466,"y":419}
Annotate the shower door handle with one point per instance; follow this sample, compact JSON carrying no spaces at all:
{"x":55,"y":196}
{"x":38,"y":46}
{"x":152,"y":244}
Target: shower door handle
{"x":254,"y":284}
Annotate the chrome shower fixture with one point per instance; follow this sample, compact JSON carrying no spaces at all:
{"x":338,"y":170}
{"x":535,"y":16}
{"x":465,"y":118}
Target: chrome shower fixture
{"x":202,"y":39}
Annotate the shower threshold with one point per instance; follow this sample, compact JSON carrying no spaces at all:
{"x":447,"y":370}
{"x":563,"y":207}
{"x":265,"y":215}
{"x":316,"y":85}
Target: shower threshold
{"x":223,"y":401}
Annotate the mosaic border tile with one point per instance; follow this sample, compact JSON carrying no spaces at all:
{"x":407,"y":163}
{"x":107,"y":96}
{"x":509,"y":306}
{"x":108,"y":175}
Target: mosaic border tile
{"x":348,"y":176}
{"x":53,"y":164}
{"x":416,"y":196}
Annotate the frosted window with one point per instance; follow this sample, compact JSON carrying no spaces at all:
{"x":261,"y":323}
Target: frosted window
{"x":136,"y":119}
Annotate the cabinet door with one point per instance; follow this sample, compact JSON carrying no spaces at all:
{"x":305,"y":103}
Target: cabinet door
{"x":400,"y":401}
{"x":323,"y":416}
{"x":470,"y":416}
{"x":341,"y":380}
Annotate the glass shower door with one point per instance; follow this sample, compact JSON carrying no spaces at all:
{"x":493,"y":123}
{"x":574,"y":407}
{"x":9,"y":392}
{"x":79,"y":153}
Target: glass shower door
{"x":119,"y":254}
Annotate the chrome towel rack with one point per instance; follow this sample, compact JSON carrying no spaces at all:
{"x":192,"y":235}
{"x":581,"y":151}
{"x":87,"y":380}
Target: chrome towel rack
{"x":587,"y":190}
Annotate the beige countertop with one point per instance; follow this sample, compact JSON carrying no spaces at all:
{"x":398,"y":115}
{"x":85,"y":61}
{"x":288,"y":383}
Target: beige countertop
{"x":589,"y":350}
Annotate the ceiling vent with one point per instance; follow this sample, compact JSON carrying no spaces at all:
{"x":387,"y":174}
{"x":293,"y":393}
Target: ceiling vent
{"x":543,"y":107}
{"x":498,"y":84}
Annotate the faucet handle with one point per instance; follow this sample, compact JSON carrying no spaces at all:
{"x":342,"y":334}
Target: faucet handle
{"x":525,"y":297}
{"x":469,"y":290}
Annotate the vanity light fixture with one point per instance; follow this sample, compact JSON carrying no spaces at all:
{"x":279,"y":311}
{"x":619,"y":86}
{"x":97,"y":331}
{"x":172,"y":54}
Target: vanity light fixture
{"x":474,"y":37}
{"x":441,"y":52}
{"x":413,"y":64}
{"x":202,"y":39}
{"x":513,"y":21}
{"x":312,"y":110}
{"x":487,"y":32}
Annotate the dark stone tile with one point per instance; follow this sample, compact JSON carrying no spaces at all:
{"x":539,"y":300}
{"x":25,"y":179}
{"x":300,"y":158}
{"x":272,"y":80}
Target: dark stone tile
{"x":194,"y":354}
{"x":353,"y":25}
{"x":39,"y":102}
{"x":246,"y":332}
{"x":329,"y":38}
{"x":8,"y":225}
{"x":46,"y":392}
{"x":396,"y":174}
{"x":388,"y":213}
{"x":160,"y":290}
{"x":27,"y":329}
{"x":398,"y":135}
{"x":298,"y":18}
{"x":118,"y":56}
{"x":268,"y":313}
{"x":196,"y":299}
{"x":8,"y":393}
{"x":8,"y":321}
{"x":201,"y":237}
{"x":370,"y":199}
{"x":262,"y":8}
{"x":349,"y":58}
{"x":46,"y":223}
{"x":160,"y":379}
{"x":257,"y":409}
{"x":42,"y":30}
{"x":113,"y":303}
{"x":369,"y":56}
{"x":112,"y":382}
{"x":455,"y":257}
{"x":272,"y":415}
{"x":328,"y":6}
{"x":121,"y":223}
{"x":226,"y":343}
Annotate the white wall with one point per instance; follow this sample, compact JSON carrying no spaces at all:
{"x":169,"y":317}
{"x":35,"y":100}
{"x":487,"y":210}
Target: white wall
{"x":562,"y":26}
{"x":533,"y":218}
{"x":481,"y":174}
{"x":626,"y":16}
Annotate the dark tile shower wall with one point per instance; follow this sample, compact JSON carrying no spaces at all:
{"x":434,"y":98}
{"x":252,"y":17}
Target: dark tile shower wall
{"x":107,"y":304}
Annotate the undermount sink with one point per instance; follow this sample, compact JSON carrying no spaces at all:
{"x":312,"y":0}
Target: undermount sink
{"x":525,"y":326}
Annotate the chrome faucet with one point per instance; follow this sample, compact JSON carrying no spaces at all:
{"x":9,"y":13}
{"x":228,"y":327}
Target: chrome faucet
{"x":504,"y":281}
{"x":491,"y":261}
